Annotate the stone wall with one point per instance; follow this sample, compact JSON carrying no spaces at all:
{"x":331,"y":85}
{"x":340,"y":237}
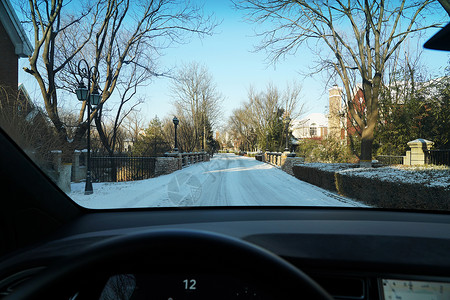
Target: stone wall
{"x":167,"y":165}
{"x":290,"y":162}
{"x":285,"y":160}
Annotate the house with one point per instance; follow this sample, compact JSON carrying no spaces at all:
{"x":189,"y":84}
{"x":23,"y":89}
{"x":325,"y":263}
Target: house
{"x":14,"y":44}
{"x":314,"y":125}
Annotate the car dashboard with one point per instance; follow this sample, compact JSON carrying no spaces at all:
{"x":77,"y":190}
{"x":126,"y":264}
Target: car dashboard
{"x":351,"y":253}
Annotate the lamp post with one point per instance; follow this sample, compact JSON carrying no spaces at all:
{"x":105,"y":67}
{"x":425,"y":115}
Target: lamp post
{"x":203,"y":140}
{"x":287,"y":120}
{"x":92,"y":99}
{"x":175,"y":122}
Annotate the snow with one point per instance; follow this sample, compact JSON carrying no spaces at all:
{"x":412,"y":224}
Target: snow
{"x":329,"y":166}
{"x":227,"y":180}
{"x":431,"y":176}
{"x":427,"y":176}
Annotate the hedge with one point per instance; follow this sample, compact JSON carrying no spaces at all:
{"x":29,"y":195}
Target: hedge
{"x":387,"y":194}
{"x":375,"y":192}
{"x":321,"y":178}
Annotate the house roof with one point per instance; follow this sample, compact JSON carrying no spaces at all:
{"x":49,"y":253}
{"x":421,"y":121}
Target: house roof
{"x":14,"y":29}
{"x":314,"y":119}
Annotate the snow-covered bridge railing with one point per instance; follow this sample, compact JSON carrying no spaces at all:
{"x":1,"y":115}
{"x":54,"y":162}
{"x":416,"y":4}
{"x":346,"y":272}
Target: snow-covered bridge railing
{"x":285,"y":160}
{"x":186,"y":159}
{"x":274,"y":158}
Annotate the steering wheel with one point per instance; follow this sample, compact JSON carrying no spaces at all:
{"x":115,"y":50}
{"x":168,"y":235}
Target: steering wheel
{"x":169,"y":251}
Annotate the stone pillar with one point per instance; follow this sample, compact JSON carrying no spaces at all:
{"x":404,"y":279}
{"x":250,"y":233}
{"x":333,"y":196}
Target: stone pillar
{"x":290,"y":162}
{"x":186,"y":160}
{"x":180,"y":161}
{"x":159,"y":166}
{"x":177,"y":157}
{"x":63,"y":181}
{"x":77,"y":175}
{"x":417,"y":154}
{"x":57,"y":156}
{"x":63,"y":172}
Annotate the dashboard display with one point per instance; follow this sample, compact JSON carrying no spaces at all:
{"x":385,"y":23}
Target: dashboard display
{"x":178,"y":287}
{"x":394,"y":289}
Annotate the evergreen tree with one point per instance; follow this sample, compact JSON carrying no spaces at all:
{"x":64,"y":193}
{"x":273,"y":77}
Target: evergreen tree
{"x":152,"y":141}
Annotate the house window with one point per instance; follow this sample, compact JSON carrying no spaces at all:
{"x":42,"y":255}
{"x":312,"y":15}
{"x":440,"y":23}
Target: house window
{"x":313,"y":130}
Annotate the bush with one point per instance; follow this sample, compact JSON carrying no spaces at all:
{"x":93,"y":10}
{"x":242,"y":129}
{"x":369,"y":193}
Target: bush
{"x":392,"y":195}
{"x":327,"y":150}
{"x":398,"y":190}
{"x":321,"y":178}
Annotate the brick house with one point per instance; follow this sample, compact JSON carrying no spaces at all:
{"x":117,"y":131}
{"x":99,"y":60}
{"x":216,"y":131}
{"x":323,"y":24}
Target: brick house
{"x":360,"y":107}
{"x":14,"y":44}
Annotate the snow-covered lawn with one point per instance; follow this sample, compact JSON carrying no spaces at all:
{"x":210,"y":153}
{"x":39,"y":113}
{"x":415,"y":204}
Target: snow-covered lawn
{"x":431,"y":176}
{"x":227,"y":180}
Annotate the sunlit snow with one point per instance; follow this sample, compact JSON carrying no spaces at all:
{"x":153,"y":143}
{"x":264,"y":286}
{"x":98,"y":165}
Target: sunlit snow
{"x":227,"y":180}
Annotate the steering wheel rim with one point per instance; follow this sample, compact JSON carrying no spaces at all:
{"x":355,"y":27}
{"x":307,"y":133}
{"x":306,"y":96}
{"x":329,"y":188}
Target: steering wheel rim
{"x":158,"y":246}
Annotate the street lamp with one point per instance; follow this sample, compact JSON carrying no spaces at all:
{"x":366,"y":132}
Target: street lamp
{"x":287,"y":120}
{"x":93,"y":99}
{"x":175,"y":122}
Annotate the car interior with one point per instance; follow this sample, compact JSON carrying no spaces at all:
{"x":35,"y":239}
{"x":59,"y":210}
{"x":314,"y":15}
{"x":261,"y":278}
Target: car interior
{"x":52,"y":248}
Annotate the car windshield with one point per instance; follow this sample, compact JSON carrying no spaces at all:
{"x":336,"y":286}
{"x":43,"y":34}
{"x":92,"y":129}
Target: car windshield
{"x":231,"y":103}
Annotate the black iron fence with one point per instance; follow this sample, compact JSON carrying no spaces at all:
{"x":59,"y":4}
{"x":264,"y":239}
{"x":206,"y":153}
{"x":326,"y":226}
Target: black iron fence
{"x":112,"y":169}
{"x":390,"y":159}
{"x":437,"y":157}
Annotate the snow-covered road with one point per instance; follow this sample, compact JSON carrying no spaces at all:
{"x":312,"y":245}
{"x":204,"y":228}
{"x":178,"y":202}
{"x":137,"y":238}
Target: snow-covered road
{"x":227,"y":180}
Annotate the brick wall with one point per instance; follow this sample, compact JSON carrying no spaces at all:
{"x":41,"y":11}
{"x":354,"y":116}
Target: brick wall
{"x":8,"y":62}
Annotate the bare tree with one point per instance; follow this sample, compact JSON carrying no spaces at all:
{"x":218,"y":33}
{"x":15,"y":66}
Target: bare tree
{"x":185,"y":138}
{"x":116,"y":36}
{"x":259,"y":120}
{"x":242,"y":130}
{"x":48,"y":28}
{"x":133,"y":124}
{"x":127,"y":90}
{"x":353,"y":39}
{"x":197,"y":99}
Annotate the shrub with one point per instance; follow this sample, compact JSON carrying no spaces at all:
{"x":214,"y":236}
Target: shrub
{"x":328,"y":150}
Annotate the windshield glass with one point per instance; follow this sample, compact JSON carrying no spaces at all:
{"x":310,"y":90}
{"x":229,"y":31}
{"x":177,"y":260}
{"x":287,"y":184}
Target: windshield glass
{"x":231,"y":103}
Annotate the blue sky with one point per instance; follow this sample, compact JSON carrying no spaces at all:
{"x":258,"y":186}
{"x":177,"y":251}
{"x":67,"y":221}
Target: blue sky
{"x":234,"y":67}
